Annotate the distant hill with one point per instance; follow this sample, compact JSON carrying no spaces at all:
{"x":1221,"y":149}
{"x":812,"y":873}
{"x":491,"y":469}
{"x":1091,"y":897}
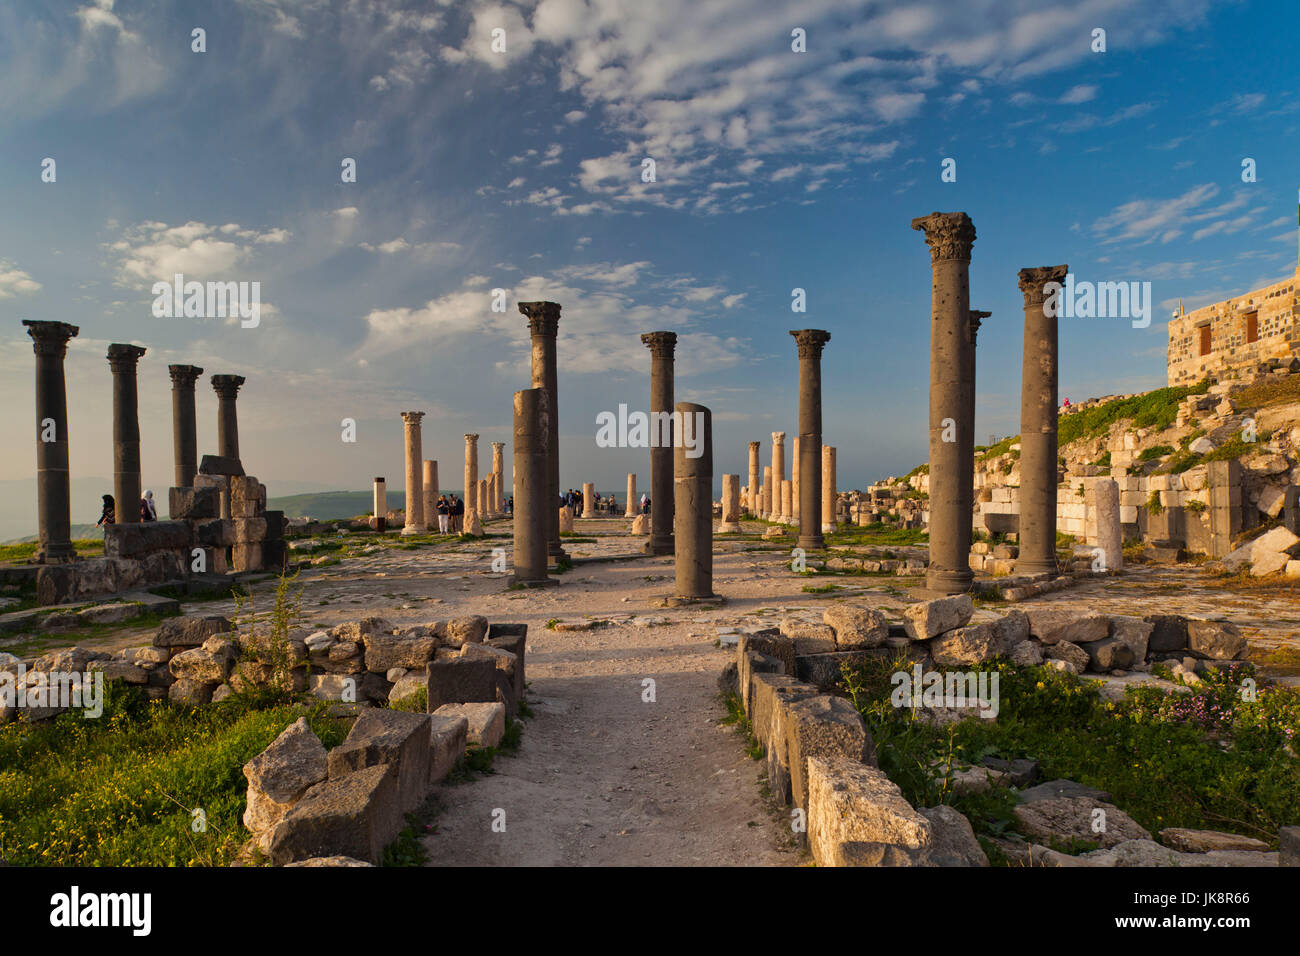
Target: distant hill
{"x":324,"y":505}
{"x":80,"y":532}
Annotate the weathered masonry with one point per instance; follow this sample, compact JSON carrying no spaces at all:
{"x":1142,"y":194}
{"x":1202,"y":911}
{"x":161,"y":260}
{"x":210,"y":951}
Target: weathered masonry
{"x":1235,"y":334}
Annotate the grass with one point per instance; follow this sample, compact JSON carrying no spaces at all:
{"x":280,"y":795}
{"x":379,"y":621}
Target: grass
{"x":876,"y":533}
{"x":23,"y":551}
{"x":996,"y":451}
{"x":120,"y":790}
{"x":1157,"y":410}
{"x":1265,"y":394}
{"x":736,"y":718}
{"x":1205,"y":760}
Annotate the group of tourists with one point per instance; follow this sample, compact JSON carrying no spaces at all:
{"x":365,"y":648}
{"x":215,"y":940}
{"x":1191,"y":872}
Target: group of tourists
{"x":108,"y":515}
{"x":573,"y":499}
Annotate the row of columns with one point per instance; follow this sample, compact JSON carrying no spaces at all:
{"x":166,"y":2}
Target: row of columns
{"x":50,"y":344}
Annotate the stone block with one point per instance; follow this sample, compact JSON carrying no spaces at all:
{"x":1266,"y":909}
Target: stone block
{"x":1109,"y":654}
{"x":852,"y":803}
{"x":464,"y":630}
{"x":1215,"y":640}
{"x":355,"y":815}
{"x":249,"y":530}
{"x":217,"y":465}
{"x":191,"y":693}
{"x":461,"y":682}
{"x":214,"y":533}
{"x":141,"y":538}
{"x":1052,"y":625}
{"x":448,"y":737}
{"x":192,"y":504}
{"x":281,"y":774}
{"x":413,"y":647}
{"x":1133,"y":631}
{"x":1288,"y":839}
{"x":856,"y":627}
{"x":748,"y":664}
{"x":823,"y":670}
{"x":485,"y":722}
{"x":927,"y":619}
{"x":766,"y":689}
{"x":246,"y":556}
{"x":515,"y":644}
{"x":808,"y":638}
{"x":820,"y":727}
{"x":385,"y":736}
{"x":190,"y":631}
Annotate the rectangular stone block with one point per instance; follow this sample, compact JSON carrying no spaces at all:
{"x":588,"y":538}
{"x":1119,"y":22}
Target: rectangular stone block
{"x":355,"y":815}
{"x":822,"y":726}
{"x":216,"y":465}
{"x":750,"y":663}
{"x":486,"y":722}
{"x":448,"y":737}
{"x":136,"y":540}
{"x":214,"y":533}
{"x":823,"y":670}
{"x":381,"y":735}
{"x":249,"y":530}
{"x":461,"y":682}
{"x":515,"y":644}
{"x":274,"y":525}
{"x":192,"y":504}
{"x":247,"y":556}
{"x":852,"y":804}
{"x":767,"y":689}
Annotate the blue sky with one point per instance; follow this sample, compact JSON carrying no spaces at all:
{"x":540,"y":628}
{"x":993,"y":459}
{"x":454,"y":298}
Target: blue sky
{"x":481,"y":170}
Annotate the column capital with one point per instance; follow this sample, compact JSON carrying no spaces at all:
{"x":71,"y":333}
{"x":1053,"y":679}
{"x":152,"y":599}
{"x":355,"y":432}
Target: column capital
{"x":778,"y":438}
{"x":810,"y":342}
{"x":412,"y":418}
{"x":755,"y":445}
{"x":50,"y":338}
{"x":471,"y":439}
{"x":498,"y":445}
{"x":660,"y":344}
{"x":227,"y":386}
{"x":184,"y":376}
{"x":543,"y":317}
{"x":1033,"y":280}
{"x":949,"y":235}
{"x":123,"y":357}
{"x":976,"y":318}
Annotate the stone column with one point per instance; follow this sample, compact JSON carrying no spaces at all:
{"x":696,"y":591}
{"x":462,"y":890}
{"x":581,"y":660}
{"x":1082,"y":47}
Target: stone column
{"x":123,"y":359}
{"x":754,"y":501}
{"x":730,"y":505}
{"x":381,"y":504}
{"x":533,"y":500}
{"x":543,"y":324}
{"x":631,"y":510}
{"x":828,"y":488}
{"x":227,"y":389}
{"x":589,"y":500}
{"x":778,"y":474}
{"x":794,"y":482}
{"x":693,"y":509}
{"x":968,"y":489}
{"x":811,"y":342}
{"x":787,"y":490}
{"x":415,"y":518}
{"x":185,"y":442}
{"x":482,"y":499}
{"x":471,"y":475}
{"x":950,"y":237}
{"x":53,"y":491}
{"x":498,"y":478}
{"x":1110,"y":538}
{"x":429,"y":484}
{"x":662,"y":346}
{"x":768,"y":492}
{"x":1037,"y":424}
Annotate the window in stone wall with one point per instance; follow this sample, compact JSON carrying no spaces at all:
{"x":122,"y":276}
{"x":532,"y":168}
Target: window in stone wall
{"x":1205,"y":340}
{"x":1252,"y":326}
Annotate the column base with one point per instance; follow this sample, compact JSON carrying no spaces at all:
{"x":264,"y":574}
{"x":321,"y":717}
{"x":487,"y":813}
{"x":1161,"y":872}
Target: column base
{"x":414,"y":529}
{"x":555,"y":550}
{"x":585,"y":515}
{"x":728,"y":527}
{"x":1028,"y":566}
{"x":677,"y":600}
{"x":631,"y":514}
{"x":55,"y":554}
{"x":659,"y":546}
{"x":948,"y":582}
{"x":811,"y":542}
{"x":828,"y":529}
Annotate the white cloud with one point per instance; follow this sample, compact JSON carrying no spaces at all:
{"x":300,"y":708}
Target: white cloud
{"x":1082,"y":93}
{"x":154,"y":251}
{"x":14,"y":281}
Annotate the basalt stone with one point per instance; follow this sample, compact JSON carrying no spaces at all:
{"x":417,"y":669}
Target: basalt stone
{"x":1169,"y":632}
{"x":821,"y":727}
{"x":461,"y":682}
{"x":192,"y":504}
{"x":1108,"y":655}
{"x":355,"y":815}
{"x":217,"y":465}
{"x":1072,"y":654}
{"x":825,"y":670}
{"x":190,"y":631}
{"x":214,"y":533}
{"x":466,"y":630}
{"x":134,"y":540}
{"x":1215,"y":640}
{"x":386,"y":736}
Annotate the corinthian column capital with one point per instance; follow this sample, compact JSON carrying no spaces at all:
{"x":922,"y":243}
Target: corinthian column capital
{"x":949,"y":235}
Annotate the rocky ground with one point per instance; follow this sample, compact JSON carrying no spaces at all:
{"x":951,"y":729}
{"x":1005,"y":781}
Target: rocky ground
{"x":605,"y":777}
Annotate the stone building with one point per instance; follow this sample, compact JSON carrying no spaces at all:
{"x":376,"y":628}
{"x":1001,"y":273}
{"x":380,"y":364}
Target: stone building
{"x":1235,"y":334}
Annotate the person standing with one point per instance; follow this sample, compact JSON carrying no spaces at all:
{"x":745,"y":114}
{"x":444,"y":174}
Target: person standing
{"x":148,"y":510}
{"x":108,"y":515}
{"x":458,"y":514}
{"x":444,"y":514}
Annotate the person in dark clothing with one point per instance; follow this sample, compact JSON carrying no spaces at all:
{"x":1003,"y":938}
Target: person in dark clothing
{"x":458,"y":514}
{"x":108,"y":515}
{"x":444,"y":514}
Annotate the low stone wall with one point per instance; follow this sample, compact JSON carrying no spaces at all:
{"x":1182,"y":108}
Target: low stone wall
{"x":821,"y":760}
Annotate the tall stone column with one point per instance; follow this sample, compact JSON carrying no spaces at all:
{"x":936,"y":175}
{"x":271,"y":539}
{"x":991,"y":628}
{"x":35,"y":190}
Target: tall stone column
{"x":381,"y":504}
{"x":185,"y":442}
{"x":533,"y":500}
{"x":415,"y":519}
{"x":950,"y":237}
{"x":227,"y":389}
{"x":498,"y":482}
{"x":429,"y":484}
{"x":1037,"y":424}
{"x":828,"y":488}
{"x":794,"y":482}
{"x":730,"y":505}
{"x":1110,"y":537}
{"x":53,"y":490}
{"x":661,"y":345}
{"x":631,"y":510}
{"x":769,"y":493}
{"x":811,"y":342}
{"x":471,"y":475}
{"x":543,"y":324}
{"x":482,"y":499}
{"x":123,"y":359}
{"x":754,"y":501}
{"x":778,"y":474}
{"x":973,"y":327}
{"x":787,"y":490}
{"x":693,"y":510}
{"x":589,"y":500}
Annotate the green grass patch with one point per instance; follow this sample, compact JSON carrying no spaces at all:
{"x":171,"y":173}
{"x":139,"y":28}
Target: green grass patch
{"x":23,"y":551}
{"x":1157,"y":409}
{"x":120,"y":790}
